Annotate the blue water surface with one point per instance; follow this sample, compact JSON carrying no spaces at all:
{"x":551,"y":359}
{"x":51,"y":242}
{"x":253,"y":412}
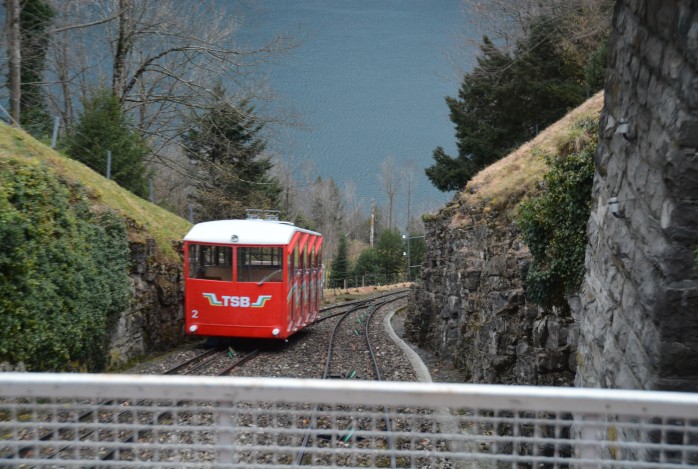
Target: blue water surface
{"x":368,"y":80}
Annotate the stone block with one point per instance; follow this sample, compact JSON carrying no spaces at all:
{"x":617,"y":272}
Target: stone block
{"x":637,"y":360}
{"x":625,"y":379}
{"x":681,"y":173}
{"x":679,"y":359}
{"x":684,"y":223}
{"x":620,"y":330}
{"x":653,"y":52}
{"x":540,"y":332}
{"x":553,"y":339}
{"x":679,"y":312}
{"x":472,"y":279}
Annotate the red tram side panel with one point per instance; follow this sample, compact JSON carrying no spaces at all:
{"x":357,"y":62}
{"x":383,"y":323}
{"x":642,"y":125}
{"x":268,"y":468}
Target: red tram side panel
{"x":248,"y":278}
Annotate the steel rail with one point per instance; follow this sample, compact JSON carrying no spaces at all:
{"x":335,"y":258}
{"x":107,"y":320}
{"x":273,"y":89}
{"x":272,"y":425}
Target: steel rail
{"x":374,"y":359}
{"x":183,"y":365}
{"x":298,"y":460}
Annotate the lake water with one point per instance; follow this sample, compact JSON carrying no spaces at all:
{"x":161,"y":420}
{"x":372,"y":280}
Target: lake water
{"x":368,"y":80}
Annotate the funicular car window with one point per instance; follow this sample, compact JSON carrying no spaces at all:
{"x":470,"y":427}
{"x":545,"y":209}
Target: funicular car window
{"x":211,"y":262}
{"x":260,"y":264}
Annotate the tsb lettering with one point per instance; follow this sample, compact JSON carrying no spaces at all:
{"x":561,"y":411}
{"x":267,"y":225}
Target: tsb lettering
{"x":236,"y":301}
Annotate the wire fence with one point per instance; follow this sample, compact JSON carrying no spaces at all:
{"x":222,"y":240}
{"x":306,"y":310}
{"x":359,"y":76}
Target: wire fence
{"x":59,"y":420}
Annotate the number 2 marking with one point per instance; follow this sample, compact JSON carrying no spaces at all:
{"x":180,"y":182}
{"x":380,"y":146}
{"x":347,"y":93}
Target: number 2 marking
{"x":195,"y":314}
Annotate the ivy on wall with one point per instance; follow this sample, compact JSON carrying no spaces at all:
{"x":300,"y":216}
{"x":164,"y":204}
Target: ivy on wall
{"x":553,"y":224}
{"x":63,"y":271}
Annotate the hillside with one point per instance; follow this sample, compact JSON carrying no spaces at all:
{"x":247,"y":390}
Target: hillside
{"x":149,"y":220}
{"x":90,"y":275}
{"x":470,"y":305}
{"x":503,"y":184}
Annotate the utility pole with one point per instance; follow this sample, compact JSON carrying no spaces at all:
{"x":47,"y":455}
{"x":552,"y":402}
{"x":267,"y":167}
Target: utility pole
{"x":409,"y":196}
{"x":373,"y":220}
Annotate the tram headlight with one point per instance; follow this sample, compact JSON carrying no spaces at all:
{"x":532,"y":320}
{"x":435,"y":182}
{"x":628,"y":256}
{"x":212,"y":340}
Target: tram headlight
{"x":275,"y":331}
{"x":193,"y":328}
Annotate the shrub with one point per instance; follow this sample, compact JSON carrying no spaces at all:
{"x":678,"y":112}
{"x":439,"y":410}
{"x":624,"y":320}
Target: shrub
{"x":64,"y":272}
{"x":553,"y":225}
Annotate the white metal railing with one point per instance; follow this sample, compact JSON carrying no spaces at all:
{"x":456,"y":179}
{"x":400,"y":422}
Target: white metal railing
{"x":81,"y":420}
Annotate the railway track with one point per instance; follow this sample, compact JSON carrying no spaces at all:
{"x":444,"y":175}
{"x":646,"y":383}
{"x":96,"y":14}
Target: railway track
{"x":352,"y":334}
{"x":350,"y":337}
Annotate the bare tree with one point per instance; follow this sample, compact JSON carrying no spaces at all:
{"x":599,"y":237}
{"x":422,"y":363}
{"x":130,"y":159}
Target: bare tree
{"x":505,"y":22}
{"x":161,"y":58}
{"x":327,"y":212}
{"x":353,"y":206}
{"x":390,"y":180}
{"x":408,"y":175}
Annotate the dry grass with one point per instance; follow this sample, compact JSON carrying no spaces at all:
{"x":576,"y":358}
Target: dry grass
{"x":503,"y":184}
{"x":152,"y":220}
{"x":338,"y":295}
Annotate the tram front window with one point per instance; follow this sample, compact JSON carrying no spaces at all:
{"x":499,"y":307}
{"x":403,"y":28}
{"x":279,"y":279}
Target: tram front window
{"x":211,"y":262}
{"x":260,"y":265}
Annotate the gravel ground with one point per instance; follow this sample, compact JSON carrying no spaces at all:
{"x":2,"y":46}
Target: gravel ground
{"x":442,"y":371}
{"x":303,"y":355}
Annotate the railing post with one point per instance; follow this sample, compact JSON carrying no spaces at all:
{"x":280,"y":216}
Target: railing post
{"x":54,"y":136}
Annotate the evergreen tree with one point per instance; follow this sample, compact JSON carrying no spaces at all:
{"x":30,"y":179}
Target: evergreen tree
{"x":225,"y":145}
{"x":103,"y":127}
{"x":368,"y":263}
{"x":35,"y":17}
{"x":391,"y":248}
{"x":505,"y":100}
{"x":340,"y":264}
{"x":595,"y":70}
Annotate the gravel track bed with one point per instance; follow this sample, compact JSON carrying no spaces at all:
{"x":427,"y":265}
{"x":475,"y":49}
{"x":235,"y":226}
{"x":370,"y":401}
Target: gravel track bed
{"x":159,"y":364}
{"x":305,"y":353}
{"x":303,"y":356}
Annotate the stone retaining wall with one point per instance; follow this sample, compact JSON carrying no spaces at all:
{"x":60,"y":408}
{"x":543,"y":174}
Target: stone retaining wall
{"x":638,"y":308}
{"x":155,"y":320}
{"x":469,"y":306}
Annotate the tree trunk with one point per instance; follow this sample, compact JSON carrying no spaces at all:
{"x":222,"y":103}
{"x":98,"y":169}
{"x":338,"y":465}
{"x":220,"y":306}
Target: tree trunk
{"x":123,"y":48}
{"x":15,"y":57}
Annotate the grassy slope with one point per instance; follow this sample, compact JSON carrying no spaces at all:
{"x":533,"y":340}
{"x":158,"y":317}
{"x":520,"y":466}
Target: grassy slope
{"x":502,"y":185}
{"x":158,"y":223}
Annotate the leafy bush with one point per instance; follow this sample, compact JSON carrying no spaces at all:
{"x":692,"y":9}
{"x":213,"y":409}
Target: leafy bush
{"x":64,"y":272}
{"x":553,"y":225}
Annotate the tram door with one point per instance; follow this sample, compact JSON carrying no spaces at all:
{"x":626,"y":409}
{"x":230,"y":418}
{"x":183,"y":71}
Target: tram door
{"x":291,"y":295}
{"x":303,"y":312}
{"x":319,"y":276}
{"x":297,"y":311}
{"x":311,"y":288}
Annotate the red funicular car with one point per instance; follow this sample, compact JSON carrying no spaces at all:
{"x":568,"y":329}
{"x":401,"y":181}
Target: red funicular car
{"x":257,"y":278}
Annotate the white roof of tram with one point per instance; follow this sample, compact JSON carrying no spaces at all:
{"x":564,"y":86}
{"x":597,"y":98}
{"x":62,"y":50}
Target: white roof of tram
{"x":244,"y":232}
